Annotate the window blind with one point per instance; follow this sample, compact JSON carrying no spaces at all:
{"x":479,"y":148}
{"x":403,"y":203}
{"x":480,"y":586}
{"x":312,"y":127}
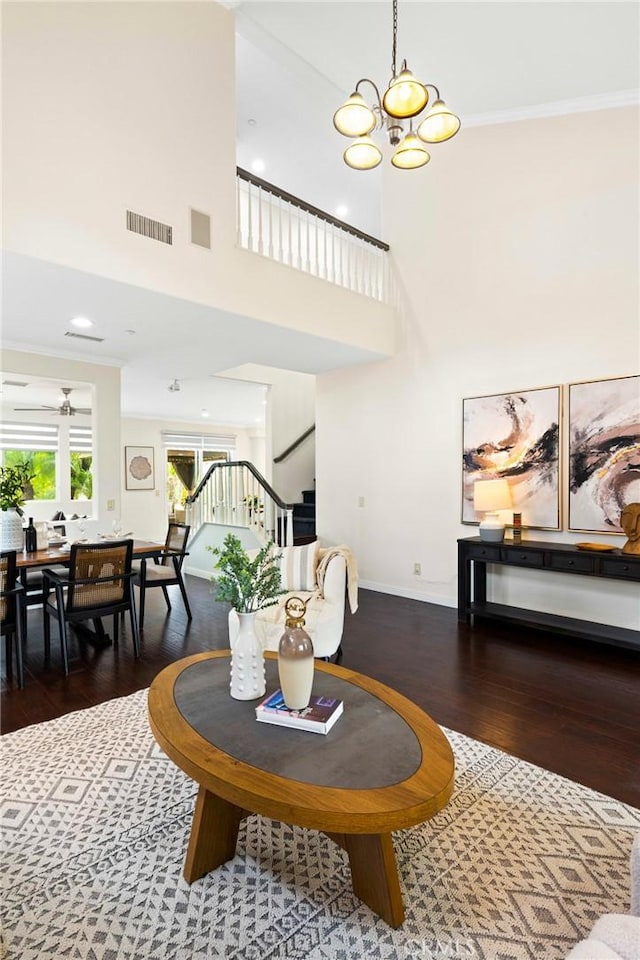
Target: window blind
{"x":198,"y":441}
{"x":28,"y":436}
{"x":80,"y":440}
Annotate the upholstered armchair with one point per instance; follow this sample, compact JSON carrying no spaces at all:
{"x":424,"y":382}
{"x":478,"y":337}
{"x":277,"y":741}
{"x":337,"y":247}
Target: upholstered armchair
{"x":320,"y":577}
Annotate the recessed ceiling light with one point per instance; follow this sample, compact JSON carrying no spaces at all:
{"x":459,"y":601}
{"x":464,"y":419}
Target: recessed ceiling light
{"x":257,"y":166}
{"x":130,"y":332}
{"x":83,"y":323}
{"x":251,"y":122}
{"x":341,"y":210}
{"x":204,"y":413}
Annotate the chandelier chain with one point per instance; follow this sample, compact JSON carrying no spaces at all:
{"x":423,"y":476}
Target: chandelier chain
{"x":395,"y":36}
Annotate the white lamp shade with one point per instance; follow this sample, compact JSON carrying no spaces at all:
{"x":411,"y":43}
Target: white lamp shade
{"x":354,"y":118}
{"x":405,"y":97}
{"x":410,"y":154}
{"x":490,"y":495}
{"x":440,"y":124}
{"x":362,"y":154}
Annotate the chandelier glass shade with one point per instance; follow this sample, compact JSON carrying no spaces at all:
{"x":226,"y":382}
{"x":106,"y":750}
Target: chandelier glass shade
{"x":363,"y":154}
{"x":354,"y":118}
{"x":405,"y":98}
{"x":440,"y":124}
{"x":410,"y":154}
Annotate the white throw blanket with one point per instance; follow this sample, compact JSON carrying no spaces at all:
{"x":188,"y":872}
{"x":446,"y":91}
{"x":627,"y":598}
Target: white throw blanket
{"x":325,"y":555}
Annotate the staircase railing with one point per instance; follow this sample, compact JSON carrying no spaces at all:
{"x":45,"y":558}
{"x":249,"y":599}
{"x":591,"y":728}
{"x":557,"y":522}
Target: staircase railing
{"x":236,"y":493}
{"x":295,"y":444}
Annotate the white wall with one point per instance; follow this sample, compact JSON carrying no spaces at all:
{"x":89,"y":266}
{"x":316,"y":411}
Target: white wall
{"x":145,"y":512}
{"x":291,"y":404}
{"x":519,"y":253}
{"x":292,"y":398}
{"x":131,"y":106}
{"x":105,"y":418}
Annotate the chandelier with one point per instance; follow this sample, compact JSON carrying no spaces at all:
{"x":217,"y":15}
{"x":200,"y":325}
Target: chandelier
{"x":405,"y":98}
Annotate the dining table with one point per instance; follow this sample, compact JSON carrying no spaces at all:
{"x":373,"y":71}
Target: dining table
{"x":58,"y":555}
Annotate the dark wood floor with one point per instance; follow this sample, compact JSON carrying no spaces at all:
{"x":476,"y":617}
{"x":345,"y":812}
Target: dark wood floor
{"x":570,"y":706}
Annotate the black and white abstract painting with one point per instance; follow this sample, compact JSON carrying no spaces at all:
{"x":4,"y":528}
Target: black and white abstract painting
{"x":516,"y":436}
{"x":604,"y":452}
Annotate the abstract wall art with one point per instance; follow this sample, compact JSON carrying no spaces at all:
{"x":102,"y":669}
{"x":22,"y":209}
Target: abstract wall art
{"x":515,"y":435}
{"x":604,"y":452}
{"x":139,"y":468}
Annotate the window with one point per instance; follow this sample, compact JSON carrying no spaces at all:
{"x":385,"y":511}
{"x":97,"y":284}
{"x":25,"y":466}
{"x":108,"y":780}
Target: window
{"x":189,"y":456}
{"x":36,"y":446}
{"x":80,"y":462}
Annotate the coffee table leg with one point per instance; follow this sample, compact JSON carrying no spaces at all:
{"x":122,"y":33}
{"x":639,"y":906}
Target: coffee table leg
{"x":214,"y":834}
{"x":374,"y":874}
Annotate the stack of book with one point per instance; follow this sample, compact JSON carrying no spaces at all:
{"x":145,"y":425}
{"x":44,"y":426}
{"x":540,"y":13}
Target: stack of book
{"x":318,"y":717}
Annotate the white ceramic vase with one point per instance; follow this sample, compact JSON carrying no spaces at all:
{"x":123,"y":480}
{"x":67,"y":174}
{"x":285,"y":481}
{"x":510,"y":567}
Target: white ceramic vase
{"x":247,"y":661}
{"x":11,"y":533}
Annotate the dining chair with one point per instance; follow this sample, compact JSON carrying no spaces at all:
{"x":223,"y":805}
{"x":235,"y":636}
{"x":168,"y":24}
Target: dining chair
{"x":11,"y":620}
{"x":166,"y":570}
{"x":99,"y":583}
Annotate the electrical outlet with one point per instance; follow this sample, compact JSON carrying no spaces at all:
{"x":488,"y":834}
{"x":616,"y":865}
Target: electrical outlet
{"x":111,"y":504}
{"x":361,"y":501}
{"x":417,"y":569}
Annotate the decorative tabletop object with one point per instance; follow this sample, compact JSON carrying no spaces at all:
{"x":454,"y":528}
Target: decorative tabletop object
{"x":630,"y":523}
{"x":295,"y":657}
{"x":248,"y":585}
{"x":12,"y":482}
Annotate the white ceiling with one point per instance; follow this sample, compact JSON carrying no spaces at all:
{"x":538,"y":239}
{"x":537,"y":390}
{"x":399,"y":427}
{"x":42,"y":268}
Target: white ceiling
{"x":296,"y":62}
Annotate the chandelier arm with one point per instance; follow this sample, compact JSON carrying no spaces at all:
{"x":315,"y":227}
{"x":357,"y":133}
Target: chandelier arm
{"x":395,"y":37}
{"x":433,"y":87}
{"x":378,"y":97}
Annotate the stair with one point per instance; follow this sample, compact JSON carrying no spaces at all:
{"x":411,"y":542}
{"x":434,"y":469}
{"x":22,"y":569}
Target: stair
{"x":304,"y":518}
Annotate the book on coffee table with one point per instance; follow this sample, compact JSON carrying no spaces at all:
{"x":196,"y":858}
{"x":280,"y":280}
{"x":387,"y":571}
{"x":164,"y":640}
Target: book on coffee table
{"x":318,"y":717}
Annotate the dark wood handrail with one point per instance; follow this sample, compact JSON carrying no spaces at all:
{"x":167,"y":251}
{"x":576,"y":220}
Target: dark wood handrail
{"x":296,"y":443}
{"x":226,"y":465}
{"x":309,"y":208}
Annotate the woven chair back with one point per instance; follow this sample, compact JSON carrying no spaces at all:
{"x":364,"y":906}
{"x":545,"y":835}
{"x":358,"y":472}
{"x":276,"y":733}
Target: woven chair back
{"x":177,"y":536}
{"x":105,"y":566}
{"x":8,"y":573}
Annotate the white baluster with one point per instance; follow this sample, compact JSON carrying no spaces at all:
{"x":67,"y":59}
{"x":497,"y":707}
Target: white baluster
{"x":270,"y":212}
{"x":260,"y":226}
{"x":307,"y":262}
{"x":249,"y":217}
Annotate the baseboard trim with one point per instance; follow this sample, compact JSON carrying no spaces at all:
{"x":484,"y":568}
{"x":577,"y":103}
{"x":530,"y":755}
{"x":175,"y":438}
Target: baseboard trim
{"x":407,"y":593}
{"x":392,"y":589}
{"x":197,"y":572}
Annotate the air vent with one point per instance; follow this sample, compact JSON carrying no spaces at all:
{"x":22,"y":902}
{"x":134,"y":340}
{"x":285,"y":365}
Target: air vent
{"x":84,"y":336}
{"x":149,"y":228}
{"x":15,"y":383}
{"x":201,"y":229}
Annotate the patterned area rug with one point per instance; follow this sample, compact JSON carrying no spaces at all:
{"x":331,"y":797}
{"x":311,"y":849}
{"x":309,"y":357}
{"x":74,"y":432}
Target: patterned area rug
{"x":95,"y":822}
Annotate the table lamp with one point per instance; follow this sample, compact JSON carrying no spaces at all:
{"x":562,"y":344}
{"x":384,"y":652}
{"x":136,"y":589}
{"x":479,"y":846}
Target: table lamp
{"x":489,"y":496}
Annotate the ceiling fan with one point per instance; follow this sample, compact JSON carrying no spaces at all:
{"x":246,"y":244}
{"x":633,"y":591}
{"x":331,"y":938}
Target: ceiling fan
{"x":64,"y":409}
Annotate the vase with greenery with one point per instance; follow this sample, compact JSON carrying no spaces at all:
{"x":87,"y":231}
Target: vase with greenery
{"x":12,"y":482}
{"x":249,"y":584}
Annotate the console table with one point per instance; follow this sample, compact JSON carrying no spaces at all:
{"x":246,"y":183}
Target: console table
{"x":475,"y":554}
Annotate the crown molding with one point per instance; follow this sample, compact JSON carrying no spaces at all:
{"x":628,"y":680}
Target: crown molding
{"x":557,"y":108}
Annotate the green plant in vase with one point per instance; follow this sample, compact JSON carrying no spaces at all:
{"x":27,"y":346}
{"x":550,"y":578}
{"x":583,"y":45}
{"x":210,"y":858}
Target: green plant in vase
{"x":248,"y":584}
{"x":12,"y":481}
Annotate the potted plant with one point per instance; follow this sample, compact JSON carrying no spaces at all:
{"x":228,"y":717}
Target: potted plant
{"x":12,"y":481}
{"x":248,"y":584}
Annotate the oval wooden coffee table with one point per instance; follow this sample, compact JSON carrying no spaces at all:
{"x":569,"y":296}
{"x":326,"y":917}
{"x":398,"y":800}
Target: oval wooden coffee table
{"x":384,"y":766}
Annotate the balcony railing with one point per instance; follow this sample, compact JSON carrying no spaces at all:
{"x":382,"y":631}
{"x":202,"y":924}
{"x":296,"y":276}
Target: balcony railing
{"x":280,"y":226}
